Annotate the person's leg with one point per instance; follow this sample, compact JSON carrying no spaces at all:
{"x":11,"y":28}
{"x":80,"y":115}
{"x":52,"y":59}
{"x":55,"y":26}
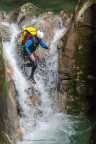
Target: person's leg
{"x":34,"y":65}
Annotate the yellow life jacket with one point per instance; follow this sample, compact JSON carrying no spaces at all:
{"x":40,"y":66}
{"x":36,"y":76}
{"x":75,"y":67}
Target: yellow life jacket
{"x":25,"y":30}
{"x":31,"y":30}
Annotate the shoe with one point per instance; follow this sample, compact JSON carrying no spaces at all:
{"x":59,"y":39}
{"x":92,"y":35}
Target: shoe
{"x":32,"y":80}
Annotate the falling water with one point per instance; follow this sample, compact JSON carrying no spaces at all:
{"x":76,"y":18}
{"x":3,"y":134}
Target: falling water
{"x":40,"y":124}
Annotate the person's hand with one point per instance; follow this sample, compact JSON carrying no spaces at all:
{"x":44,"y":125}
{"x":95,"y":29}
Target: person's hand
{"x":32,"y":57}
{"x":37,"y":57}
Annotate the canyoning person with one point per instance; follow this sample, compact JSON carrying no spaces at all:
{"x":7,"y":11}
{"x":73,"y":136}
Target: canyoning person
{"x":30,"y":40}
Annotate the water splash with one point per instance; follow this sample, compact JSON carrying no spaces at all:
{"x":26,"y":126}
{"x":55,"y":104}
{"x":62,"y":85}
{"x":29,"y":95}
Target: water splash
{"x":10,"y":55}
{"x":48,"y":127}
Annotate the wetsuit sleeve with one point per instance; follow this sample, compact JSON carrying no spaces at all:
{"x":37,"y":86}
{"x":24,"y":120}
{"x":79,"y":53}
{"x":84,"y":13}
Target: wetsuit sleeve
{"x":27,"y":45}
{"x":43,"y":44}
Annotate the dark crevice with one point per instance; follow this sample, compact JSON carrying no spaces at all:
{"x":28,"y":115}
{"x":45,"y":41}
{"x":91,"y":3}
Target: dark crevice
{"x":92,"y":64}
{"x":92,"y":73}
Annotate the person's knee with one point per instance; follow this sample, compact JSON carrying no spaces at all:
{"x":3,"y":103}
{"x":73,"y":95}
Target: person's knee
{"x":34,"y":64}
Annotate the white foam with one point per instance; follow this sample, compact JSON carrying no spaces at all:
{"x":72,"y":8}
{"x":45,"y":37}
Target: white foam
{"x":50,"y":127}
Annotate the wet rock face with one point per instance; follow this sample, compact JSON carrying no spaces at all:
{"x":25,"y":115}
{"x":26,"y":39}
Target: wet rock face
{"x":66,"y":67}
{"x":8,"y":110}
{"x":2,"y":100}
{"x":66,"y":17}
{"x":76,"y":63}
{"x":11,"y":103}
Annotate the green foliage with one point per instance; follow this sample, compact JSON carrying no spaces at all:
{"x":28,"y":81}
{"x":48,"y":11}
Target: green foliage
{"x":55,"y":5}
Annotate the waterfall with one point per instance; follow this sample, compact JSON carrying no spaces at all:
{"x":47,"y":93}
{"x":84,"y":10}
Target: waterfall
{"x":41,"y":124}
{"x":10,"y":55}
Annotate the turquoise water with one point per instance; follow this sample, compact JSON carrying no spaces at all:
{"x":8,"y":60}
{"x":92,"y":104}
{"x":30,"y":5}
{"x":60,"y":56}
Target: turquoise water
{"x":77,"y":132}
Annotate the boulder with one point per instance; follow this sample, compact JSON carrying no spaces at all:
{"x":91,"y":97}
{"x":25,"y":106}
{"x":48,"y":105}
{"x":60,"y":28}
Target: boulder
{"x":27,"y":11}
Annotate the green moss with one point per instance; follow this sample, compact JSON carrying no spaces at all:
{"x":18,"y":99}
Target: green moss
{"x":5,"y":88}
{"x":3,"y":139}
{"x":3,"y":83}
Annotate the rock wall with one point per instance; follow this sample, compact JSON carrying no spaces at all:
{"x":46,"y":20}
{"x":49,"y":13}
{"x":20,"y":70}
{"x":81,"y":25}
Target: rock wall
{"x":8,"y":110}
{"x":76,"y":62}
{"x":77,"y":68}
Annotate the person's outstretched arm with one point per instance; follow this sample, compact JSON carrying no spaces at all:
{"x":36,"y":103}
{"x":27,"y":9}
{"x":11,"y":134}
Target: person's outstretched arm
{"x":43,"y":44}
{"x":27,"y":45}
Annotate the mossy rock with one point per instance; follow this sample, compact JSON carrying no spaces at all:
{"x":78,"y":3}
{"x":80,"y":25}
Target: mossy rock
{"x":4,"y":139}
{"x":3,"y":87}
{"x":30,"y":9}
